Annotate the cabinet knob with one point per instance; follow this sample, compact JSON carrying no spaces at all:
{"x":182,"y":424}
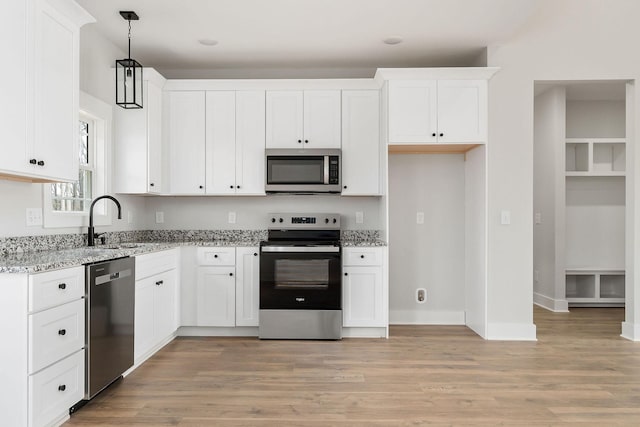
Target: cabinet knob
{"x":62,"y":387}
{"x":299,"y":141}
{"x":215,"y":255}
{"x":33,"y":161}
{"x":230,"y":274}
{"x":361,"y":256}
{"x":433,"y":134}
{"x":346,"y":274}
{"x":200,"y":187}
{"x":231,"y":186}
{"x":159,"y":282}
{"x":151,"y":184}
{"x":237,"y":186}
{"x":442,"y":134}
{"x":62,"y":286}
{"x":62,"y":332}
{"x":41,"y":163}
{"x":306,"y":141}
{"x":255,"y":254}
{"x":345,"y":187}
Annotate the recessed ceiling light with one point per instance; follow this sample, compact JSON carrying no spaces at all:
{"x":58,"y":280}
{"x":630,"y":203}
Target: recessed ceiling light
{"x":208,"y":42}
{"x":393,"y":40}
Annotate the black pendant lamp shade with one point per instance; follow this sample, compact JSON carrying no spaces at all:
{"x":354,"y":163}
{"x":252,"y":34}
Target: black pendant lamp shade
{"x":129,"y":74}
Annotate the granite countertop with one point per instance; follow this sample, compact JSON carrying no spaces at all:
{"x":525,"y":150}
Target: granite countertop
{"x":362,"y":242}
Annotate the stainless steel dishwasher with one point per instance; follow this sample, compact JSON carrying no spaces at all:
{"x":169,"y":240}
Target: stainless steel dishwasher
{"x":110,"y":316}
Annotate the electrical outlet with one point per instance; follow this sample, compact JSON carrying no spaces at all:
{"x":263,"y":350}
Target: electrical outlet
{"x":159,"y":217}
{"x":505,"y":217}
{"x":538,"y":218}
{"x":359,"y":217}
{"x":232,"y":217}
{"x":34,"y":217}
{"x":421,"y":295}
{"x":419,"y":217}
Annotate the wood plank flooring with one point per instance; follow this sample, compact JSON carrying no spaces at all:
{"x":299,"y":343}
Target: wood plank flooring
{"x":579,"y":371}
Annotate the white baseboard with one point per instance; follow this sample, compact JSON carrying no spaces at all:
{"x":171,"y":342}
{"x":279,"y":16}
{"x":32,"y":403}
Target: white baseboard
{"x":511,"y":331}
{"x":422,"y":317}
{"x":364,"y":332}
{"x":213,"y":331}
{"x":630,"y":331}
{"x":555,"y":305}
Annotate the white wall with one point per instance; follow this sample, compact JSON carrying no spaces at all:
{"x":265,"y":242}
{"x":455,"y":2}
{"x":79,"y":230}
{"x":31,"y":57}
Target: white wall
{"x":565,"y":40}
{"x":429,"y":255}
{"x":548,"y":199}
{"x":595,"y":119}
{"x":251,"y":212}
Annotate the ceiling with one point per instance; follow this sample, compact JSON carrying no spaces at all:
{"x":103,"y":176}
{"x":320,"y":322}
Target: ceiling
{"x":306,"y":34}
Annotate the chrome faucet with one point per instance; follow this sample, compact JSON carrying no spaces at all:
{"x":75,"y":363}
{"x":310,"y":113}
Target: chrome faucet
{"x":91,"y":235}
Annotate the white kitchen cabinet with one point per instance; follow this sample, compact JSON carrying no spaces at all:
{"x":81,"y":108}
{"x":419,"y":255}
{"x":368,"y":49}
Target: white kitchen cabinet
{"x":42,"y":322}
{"x":41,"y":90}
{"x":364,"y":300}
{"x":360,"y":142}
{"x":216,"y":296}
{"x":156,"y":302}
{"x":247,"y":286}
{"x":185,"y":130}
{"x":138,"y":141}
{"x":235,"y":142}
{"x":303,"y":119}
{"x":437,"y":111}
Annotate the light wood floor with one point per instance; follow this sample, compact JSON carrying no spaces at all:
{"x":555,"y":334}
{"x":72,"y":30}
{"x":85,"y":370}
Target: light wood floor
{"x":579,"y":371}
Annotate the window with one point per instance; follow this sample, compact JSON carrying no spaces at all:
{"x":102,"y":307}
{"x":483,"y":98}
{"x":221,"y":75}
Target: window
{"x":66,"y":204}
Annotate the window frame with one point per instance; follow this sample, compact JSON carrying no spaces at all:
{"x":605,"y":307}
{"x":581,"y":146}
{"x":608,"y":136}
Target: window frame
{"x":100,"y":115}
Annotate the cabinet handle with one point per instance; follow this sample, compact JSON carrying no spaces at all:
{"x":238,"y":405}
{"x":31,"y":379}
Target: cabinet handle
{"x":306,"y":141}
{"x":237,"y":186}
{"x":62,"y":387}
{"x":41,"y":163}
{"x":62,"y":286}
{"x":346,"y":274}
{"x":231,"y":186}
{"x":159,"y":282}
{"x":230,"y":274}
{"x":151,"y":184}
{"x":345,"y":187}
{"x":299,"y":141}
{"x":62,"y":332}
{"x":433,"y":134}
{"x":442,"y":134}
{"x":215,"y":256}
{"x":33,"y":161}
{"x":200,"y":187}
{"x":361,"y":256}
{"x":255,"y":254}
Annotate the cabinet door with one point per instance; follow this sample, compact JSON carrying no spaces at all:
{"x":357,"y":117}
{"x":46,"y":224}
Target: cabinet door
{"x":164,"y":309}
{"x":56,"y":68}
{"x":250,"y":142}
{"x":186,"y":138}
{"x":322,"y":119}
{"x":221,"y":142}
{"x":153,"y":105}
{"x":284,"y":119}
{"x":144,"y":327}
{"x":360,"y":142}
{"x":363,"y":299}
{"x":412,"y":111}
{"x":462,"y":111}
{"x":247,"y":286}
{"x":216,"y":295}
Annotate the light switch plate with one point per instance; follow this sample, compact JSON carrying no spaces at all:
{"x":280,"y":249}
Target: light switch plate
{"x":505,"y":217}
{"x":420,"y":217}
{"x":159,"y":217}
{"x":359,"y":217}
{"x":34,"y":217}
{"x":232,"y":217}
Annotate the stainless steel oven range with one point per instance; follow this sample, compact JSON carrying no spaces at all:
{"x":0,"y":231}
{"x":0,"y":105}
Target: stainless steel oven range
{"x":300,"y":278}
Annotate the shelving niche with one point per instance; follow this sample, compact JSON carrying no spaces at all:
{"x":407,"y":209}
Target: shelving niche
{"x":595,"y":157}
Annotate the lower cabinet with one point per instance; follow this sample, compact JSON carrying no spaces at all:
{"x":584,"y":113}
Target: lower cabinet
{"x":216,"y":296}
{"x":247,"y":286}
{"x":156,"y":302}
{"x":364,"y":300}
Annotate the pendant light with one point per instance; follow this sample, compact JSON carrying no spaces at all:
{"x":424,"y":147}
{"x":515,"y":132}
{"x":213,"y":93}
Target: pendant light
{"x":129,"y":74}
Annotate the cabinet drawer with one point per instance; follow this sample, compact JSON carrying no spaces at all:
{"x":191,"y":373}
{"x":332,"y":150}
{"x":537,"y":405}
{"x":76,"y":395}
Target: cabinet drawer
{"x":154,"y":263}
{"x":55,"y":287}
{"x":54,"y":390}
{"x":55,"y":333}
{"x":362,"y":256}
{"x":217,"y":256}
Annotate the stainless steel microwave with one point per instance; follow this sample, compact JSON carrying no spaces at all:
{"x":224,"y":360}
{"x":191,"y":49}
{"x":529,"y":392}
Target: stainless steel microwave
{"x":303,"y":171}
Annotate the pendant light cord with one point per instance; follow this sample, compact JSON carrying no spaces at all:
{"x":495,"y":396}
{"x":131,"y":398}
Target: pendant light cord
{"x":129,"y":36}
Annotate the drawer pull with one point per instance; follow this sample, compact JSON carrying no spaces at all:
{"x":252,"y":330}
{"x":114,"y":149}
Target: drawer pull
{"x":215,"y":256}
{"x":62,"y":387}
{"x":230,"y":274}
{"x":346,"y":274}
{"x":255,"y":254}
{"x":361,"y":256}
{"x":159,"y":282}
{"x":62,"y":286}
{"x":62,"y":332}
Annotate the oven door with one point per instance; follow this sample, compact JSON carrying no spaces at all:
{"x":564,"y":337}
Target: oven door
{"x":300,"y":277}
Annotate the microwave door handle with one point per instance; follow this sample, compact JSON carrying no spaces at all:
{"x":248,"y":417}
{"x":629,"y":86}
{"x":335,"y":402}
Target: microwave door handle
{"x":326,"y":170}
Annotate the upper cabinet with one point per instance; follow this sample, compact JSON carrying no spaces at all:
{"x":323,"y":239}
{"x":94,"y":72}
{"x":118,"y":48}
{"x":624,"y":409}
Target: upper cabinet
{"x":303,"y":119}
{"x":185,"y":136}
{"x":41,"y":90}
{"x":235,"y":141}
{"x":360,"y":142}
{"x":437,"y":111}
{"x":138,"y":141}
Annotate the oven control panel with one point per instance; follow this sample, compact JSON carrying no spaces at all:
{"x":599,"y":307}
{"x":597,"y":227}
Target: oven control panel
{"x":304,"y":221}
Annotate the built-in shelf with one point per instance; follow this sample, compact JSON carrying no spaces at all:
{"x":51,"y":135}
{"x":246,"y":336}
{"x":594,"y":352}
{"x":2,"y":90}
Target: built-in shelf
{"x":595,"y":156}
{"x":431,"y":148}
{"x":595,"y":287}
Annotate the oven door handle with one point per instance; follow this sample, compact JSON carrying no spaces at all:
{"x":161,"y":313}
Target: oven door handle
{"x":300,"y":249}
